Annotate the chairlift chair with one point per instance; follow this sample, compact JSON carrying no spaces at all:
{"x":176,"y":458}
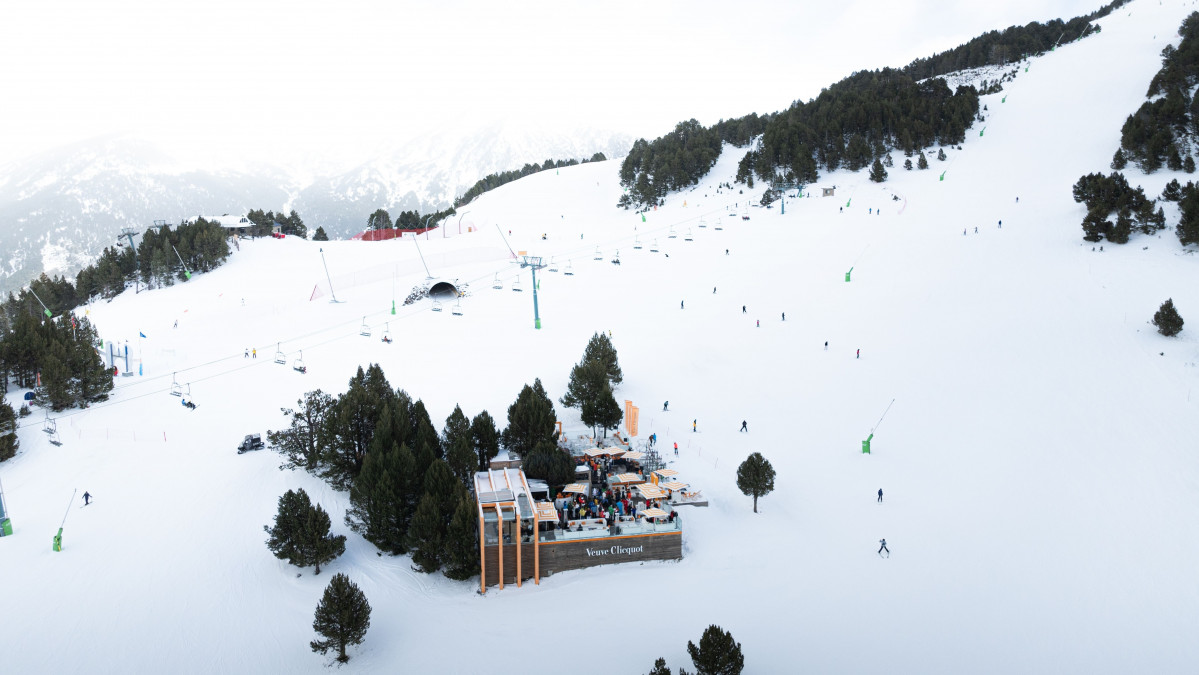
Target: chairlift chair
{"x":365,"y":331}
{"x":516,"y":285}
{"x":569,"y":270}
{"x":653,"y":248}
{"x":553,"y":266}
{"x":598,"y":254}
{"x":672,"y":234}
{"x":616,"y":257}
{"x":688,"y":237}
{"x":176,"y":390}
{"x":280,"y":357}
{"x":703,"y":223}
{"x":436,"y":305}
{"x":386,"y":333}
{"x":298,"y":364}
{"x":497,"y":284}
{"x":718,"y":224}
{"x":457,"y":309}
{"x":637,"y":243}
{"x":55,"y":440}
{"x":49,"y":425}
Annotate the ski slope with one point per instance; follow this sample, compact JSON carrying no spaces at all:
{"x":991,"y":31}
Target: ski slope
{"x":1040,"y":475}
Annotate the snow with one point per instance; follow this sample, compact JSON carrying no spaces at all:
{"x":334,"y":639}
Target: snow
{"x":1038,"y":463}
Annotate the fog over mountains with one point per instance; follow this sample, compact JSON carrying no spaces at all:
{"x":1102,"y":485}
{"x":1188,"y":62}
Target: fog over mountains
{"x":59,"y":209}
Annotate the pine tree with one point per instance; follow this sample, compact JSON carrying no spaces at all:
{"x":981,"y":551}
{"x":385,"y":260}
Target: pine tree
{"x":531,"y":420}
{"x":922,"y":161}
{"x":1118,"y":160}
{"x":660,"y":667}
{"x":425,"y":536}
{"x":1167,"y":319}
{"x":1188,"y":164}
{"x":486,"y":439}
{"x":342,"y":617}
{"x":877,"y":173}
{"x":602,"y":411}
{"x":320,"y":235}
{"x":755,"y":477}
{"x":717,"y":653}
{"x":302,"y":442}
{"x":941,"y":154}
{"x":1173,"y":191}
{"x":377,"y":504}
{"x":550,"y":463}
{"x":461,"y":555}
{"x":320,"y":546}
{"x":9,"y":443}
{"x":379,"y":220}
{"x":907,"y":164}
{"x":888,"y":161}
{"x":286,"y":538}
{"x":459,"y":444}
{"x":1173,"y":159}
{"x":600,"y":348}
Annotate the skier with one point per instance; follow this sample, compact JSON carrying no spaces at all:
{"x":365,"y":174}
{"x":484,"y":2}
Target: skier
{"x":247,"y":354}
{"x":870,"y":211}
{"x":759,"y":323}
{"x":693,"y":423}
{"x":666,"y":406}
{"x":1017,"y":200}
{"x":826,"y":345}
{"x":680,"y":304}
{"x":744,"y":427}
{"x":976,"y":230}
{"x":963,"y":231}
{"x":713,"y":290}
{"x":784,"y":316}
{"x":726,"y":251}
{"x":859,"y":354}
{"x":87,"y":498}
{"x":1001,"y":224}
{"x":742,"y":309}
{"x":676,"y":448}
{"x":254,"y":353}
{"x":840,"y":209}
{"x":880,"y":495}
{"x":883,"y":548}
{"x":176,"y":323}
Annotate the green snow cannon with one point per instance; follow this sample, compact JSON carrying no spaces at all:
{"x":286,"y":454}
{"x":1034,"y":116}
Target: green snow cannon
{"x":866,"y":445}
{"x":847,"y":274}
{"x":6,"y":528}
{"x":58,"y":540}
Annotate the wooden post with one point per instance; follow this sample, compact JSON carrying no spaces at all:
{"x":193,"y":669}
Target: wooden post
{"x":519,"y":544}
{"x":500,"y":530}
{"x":537,"y":549}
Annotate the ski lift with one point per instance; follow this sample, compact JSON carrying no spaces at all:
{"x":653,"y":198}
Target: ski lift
{"x":280,"y":357}
{"x":176,"y":390}
{"x":637,"y":243}
{"x":653,"y":248}
{"x":365,"y":331}
{"x":718,"y":225}
{"x":553,"y":266}
{"x":55,"y":440}
{"x":703,"y":223}
{"x":386,"y":333}
{"x":436,"y":305}
{"x":516,"y":285}
{"x":688,"y":237}
{"x":298,"y":364}
{"x":50,"y":426}
{"x":497,"y":284}
{"x":457,"y":309}
{"x":569,"y":270}
{"x":598,"y":254}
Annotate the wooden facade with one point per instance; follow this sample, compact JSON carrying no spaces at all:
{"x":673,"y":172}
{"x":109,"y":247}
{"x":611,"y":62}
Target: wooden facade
{"x":561,"y":556}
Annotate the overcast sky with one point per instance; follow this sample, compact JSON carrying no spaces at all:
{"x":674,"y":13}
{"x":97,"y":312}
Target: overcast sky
{"x":337,"y":77}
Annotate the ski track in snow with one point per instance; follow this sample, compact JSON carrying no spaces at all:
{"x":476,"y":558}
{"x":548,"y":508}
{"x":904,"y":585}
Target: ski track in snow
{"x":1041,"y":485}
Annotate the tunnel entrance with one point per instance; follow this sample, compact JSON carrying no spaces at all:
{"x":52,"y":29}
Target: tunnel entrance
{"x":443,"y":290}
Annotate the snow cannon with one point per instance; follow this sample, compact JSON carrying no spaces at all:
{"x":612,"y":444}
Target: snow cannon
{"x":5,"y":528}
{"x":943,"y":174}
{"x":847,"y":274}
{"x":58,"y":540}
{"x":866,"y":445}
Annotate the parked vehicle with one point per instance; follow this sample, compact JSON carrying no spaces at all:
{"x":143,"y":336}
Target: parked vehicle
{"x":252,"y":442}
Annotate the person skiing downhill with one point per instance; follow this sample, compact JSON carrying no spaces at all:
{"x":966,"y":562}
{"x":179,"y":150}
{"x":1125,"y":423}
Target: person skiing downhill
{"x":859,"y":354}
{"x":693,"y":424}
{"x":743,"y":309}
{"x":676,"y":448}
{"x":880,"y":495}
{"x":759,"y":323}
{"x":744,"y":427}
{"x":666,"y":405}
{"x":87,"y":497}
{"x":826,"y":345}
{"x":883,"y":547}
{"x":680,"y":304}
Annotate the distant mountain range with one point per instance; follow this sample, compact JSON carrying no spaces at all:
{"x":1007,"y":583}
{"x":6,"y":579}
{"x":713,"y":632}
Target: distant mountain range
{"x":59,"y":209}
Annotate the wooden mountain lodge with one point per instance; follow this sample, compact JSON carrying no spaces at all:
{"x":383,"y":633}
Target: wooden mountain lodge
{"x":522,"y":537}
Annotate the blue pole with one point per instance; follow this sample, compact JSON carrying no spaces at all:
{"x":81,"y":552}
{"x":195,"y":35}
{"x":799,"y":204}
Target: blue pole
{"x":536,"y":314}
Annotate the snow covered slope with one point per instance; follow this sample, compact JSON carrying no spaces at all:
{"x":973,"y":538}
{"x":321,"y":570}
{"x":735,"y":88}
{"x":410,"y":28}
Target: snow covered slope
{"x":1038,"y":462}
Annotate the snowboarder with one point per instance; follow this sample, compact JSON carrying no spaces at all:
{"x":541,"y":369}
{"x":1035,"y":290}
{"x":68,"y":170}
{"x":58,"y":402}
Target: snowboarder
{"x":744,"y":427}
{"x":693,"y":423}
{"x":883,"y":547}
{"x":666,"y":406}
{"x":859,"y":354}
{"x":87,"y":497}
{"x":880,"y":495}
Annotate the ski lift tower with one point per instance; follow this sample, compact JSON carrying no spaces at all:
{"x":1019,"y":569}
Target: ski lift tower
{"x":5,"y":523}
{"x":782,"y":187}
{"x":534,"y":262}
